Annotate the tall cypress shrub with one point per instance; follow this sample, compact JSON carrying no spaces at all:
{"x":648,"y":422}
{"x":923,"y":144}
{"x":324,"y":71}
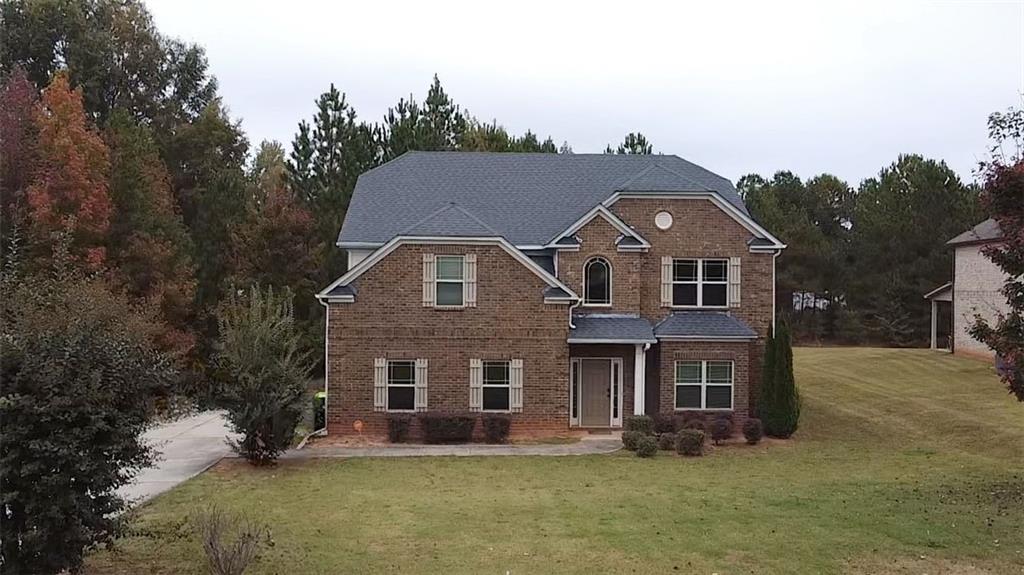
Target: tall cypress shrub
{"x":767,"y":373}
{"x":781,"y":402}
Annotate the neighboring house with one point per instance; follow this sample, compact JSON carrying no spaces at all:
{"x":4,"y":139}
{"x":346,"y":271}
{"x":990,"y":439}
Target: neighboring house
{"x":568,"y":290}
{"x":975,"y":290}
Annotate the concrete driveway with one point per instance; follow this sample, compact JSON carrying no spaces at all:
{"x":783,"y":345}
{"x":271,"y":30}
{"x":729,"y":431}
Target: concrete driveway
{"x":186,"y":448}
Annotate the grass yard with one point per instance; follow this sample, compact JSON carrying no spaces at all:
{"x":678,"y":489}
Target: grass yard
{"x":907,"y":461}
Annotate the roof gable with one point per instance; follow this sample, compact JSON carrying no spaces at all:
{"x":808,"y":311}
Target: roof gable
{"x":986,"y":231}
{"x":450,"y":220}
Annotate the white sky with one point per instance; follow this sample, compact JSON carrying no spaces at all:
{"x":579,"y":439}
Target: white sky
{"x":737,"y":87}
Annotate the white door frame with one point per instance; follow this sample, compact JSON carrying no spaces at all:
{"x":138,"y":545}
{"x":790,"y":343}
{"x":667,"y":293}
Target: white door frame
{"x":576,"y":390}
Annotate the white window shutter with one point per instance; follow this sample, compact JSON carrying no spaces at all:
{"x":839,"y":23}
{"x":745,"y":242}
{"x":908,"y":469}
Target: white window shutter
{"x":470,"y":275}
{"x":421,"y":385}
{"x":516,"y":388}
{"x":380,"y":384}
{"x":476,"y":385}
{"x":428,"y":280}
{"x":666,"y":281}
{"x":734,"y":282}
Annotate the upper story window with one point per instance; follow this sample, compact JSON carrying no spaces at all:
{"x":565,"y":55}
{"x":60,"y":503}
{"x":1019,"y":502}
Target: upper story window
{"x":700,"y":282}
{"x":597,"y":282}
{"x":449,"y":283}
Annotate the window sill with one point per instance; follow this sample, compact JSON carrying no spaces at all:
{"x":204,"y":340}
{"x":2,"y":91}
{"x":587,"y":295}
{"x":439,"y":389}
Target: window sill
{"x":400,"y":411}
{"x":699,"y":307}
{"x":704,"y":409}
{"x":449,"y":307}
{"x":596,"y":305}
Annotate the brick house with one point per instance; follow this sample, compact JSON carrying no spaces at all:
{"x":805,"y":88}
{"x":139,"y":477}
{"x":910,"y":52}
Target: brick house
{"x":975,"y":290}
{"x":568,"y":290}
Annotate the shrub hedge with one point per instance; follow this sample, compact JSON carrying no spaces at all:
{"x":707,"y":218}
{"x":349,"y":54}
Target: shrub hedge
{"x":440,"y":427}
{"x":630,"y":438}
{"x":641,"y":423}
{"x":721,"y":429}
{"x":398,"y":427}
{"x":690,"y":442}
{"x":753,"y":431}
{"x":646,"y":446}
{"x":667,"y":441}
{"x":665,"y":423}
{"x":496,"y":428}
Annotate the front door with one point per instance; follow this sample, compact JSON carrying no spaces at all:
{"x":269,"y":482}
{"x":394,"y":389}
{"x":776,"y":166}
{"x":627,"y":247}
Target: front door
{"x":596,"y":396}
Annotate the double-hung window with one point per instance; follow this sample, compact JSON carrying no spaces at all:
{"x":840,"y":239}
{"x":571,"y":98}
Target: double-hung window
{"x":448,"y":285}
{"x":704,"y":384}
{"x":401,"y":385}
{"x":497,"y":386}
{"x":700,"y":282}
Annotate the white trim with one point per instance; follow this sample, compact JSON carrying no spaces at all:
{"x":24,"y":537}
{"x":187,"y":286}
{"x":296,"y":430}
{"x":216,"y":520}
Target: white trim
{"x":704,"y":384}
{"x":716,"y":338}
{"x":337,"y":299}
{"x":599,"y":210}
{"x":715,"y":198}
{"x":397,"y":241}
{"x":327,"y":355}
{"x":357,"y":245}
{"x":610,"y":341}
{"x":461,"y":281}
{"x":507,"y":386}
{"x":388,"y":385}
{"x":586,"y":269}
{"x":574,"y":392}
{"x":772,"y":322}
{"x":639,"y":379}
{"x":938,"y":290}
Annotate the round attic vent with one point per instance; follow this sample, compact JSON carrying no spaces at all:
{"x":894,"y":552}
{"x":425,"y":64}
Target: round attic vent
{"x":663,"y":220}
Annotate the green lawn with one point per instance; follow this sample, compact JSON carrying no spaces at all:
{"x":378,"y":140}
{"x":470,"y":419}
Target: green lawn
{"x":907,"y":461}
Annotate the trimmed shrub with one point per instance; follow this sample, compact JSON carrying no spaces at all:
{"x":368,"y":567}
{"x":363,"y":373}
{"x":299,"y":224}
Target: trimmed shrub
{"x":642,"y":423}
{"x":690,"y":442}
{"x":496,"y":428}
{"x":646,"y":446}
{"x":631,"y":438}
{"x":398,"y":427}
{"x":665,"y":423}
{"x":439,"y":427}
{"x":721,"y":429}
{"x":695,"y":421}
{"x":753,"y":430}
{"x":667,"y":441}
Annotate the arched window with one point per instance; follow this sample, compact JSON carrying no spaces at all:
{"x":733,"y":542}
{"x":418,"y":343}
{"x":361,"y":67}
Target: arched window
{"x":597,"y":282}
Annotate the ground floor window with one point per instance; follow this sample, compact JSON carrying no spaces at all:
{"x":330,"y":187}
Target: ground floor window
{"x":497,"y":385}
{"x":704,"y":384}
{"x":401,"y":385}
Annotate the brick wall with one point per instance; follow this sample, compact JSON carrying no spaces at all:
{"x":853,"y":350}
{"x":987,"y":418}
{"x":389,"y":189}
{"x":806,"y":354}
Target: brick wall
{"x":389,"y":320}
{"x":975,"y":291}
{"x":738,"y":353}
{"x":597,"y":238}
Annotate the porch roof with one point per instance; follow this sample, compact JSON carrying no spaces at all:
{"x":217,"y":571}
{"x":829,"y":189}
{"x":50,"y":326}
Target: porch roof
{"x":611,"y":328}
{"x":703,"y":325}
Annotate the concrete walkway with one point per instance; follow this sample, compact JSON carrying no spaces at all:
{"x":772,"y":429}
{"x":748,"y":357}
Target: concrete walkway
{"x":591,"y":445}
{"x":186,"y":448}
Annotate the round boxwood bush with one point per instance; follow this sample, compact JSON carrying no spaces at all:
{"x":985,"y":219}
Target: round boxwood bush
{"x":753,"y":430}
{"x":721,"y":429}
{"x":630,"y":439}
{"x":690,"y":442}
{"x":667,"y":441}
{"x":665,"y":423}
{"x":642,"y":423}
{"x":646,"y":446}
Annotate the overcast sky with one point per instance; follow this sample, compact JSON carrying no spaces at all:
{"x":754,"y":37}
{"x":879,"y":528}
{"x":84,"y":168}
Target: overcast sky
{"x":737,"y":87}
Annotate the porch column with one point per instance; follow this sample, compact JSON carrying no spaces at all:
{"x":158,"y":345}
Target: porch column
{"x":935,"y":313}
{"x":639,"y":383}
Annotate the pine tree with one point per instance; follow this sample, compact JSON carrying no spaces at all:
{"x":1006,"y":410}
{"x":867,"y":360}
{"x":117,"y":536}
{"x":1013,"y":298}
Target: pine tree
{"x":632,"y":144}
{"x":780,"y":406}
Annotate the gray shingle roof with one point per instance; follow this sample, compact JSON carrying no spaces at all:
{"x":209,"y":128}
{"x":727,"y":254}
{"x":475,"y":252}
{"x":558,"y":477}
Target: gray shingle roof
{"x":986,"y":231}
{"x":526,"y":198}
{"x":340,"y":291}
{"x":698,"y":324}
{"x":612,"y":328}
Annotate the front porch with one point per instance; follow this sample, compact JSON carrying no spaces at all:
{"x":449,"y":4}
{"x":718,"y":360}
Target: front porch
{"x":608,"y":370}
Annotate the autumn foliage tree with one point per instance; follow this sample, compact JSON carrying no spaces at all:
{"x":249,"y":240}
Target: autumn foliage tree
{"x":69,"y":190}
{"x":1003,"y":197}
{"x":149,"y":245}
